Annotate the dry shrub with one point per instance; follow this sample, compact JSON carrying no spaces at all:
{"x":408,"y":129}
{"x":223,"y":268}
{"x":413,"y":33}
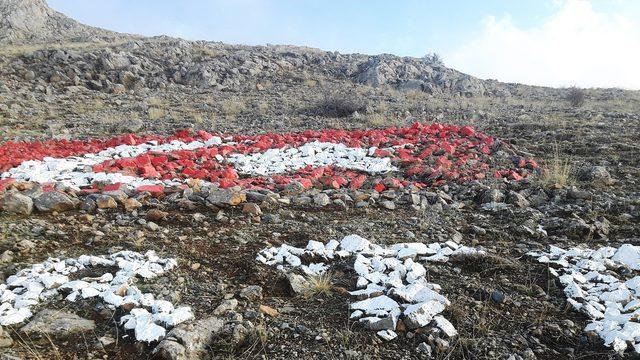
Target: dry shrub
{"x":576,"y":97}
{"x":338,"y":106}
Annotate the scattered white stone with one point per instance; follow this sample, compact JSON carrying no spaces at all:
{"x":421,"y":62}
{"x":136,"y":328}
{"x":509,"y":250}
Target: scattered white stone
{"x":593,"y":287}
{"x":315,"y":154}
{"x":628,"y":255}
{"x":27,"y":288}
{"x":420,"y":314}
{"x":375,"y":304}
{"x":387,"y":334}
{"x":446,"y":326}
{"x":354,"y":243}
{"x":72,"y":171}
{"x":390,"y":279}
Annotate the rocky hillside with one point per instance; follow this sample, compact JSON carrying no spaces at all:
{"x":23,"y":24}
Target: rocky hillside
{"x":154,"y":63}
{"x":59,"y":76}
{"x":471,"y":200}
{"x":32,"y":21}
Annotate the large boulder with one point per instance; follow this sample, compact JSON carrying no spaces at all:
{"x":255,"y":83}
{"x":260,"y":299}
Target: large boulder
{"x":232,"y":196}
{"x":596,"y":175}
{"x":56,"y":324}
{"x":5,"y":339}
{"x":16,"y":203}
{"x":54,"y":201}
{"x":189,"y":340}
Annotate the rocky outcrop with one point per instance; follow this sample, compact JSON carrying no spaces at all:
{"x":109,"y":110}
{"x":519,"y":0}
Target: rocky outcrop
{"x":32,"y":21}
{"x":411,"y":74}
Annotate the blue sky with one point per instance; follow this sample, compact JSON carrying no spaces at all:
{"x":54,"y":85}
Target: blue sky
{"x":487,"y":38}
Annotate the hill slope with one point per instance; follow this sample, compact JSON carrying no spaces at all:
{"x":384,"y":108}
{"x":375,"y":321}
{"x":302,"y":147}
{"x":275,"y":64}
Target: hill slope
{"x":33,"y":21}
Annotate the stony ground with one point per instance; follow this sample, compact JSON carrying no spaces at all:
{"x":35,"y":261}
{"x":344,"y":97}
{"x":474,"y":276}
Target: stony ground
{"x":504,"y":304}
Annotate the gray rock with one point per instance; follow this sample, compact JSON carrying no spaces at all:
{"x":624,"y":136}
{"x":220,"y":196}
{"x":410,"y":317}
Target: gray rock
{"x":119,"y":89}
{"x":293,"y":188}
{"x":54,"y":201}
{"x":425,"y":349}
{"x":131,"y":126}
{"x":388,"y":204}
{"x":497,"y":297}
{"x":57,"y":324}
{"x":152,"y":226}
{"x":231,"y":196}
{"x":89,"y":205}
{"x":321,"y":199}
{"x":16,"y":203}
{"x":189,"y":340}
{"x":602,"y":226}
{"x":413,"y":199}
{"x":575,"y":193}
{"x":492,"y":195}
{"x":442,"y":345}
{"x":106,"y":202}
{"x":6,"y":257}
{"x":251,"y":293}
{"x":597,"y":175}
{"x":302,"y":200}
{"x":226,"y":306}
{"x":494,"y":206}
{"x":578,"y":229}
{"x":411,"y":85}
{"x":297,"y":283}
{"x":517,"y":199}
{"x":5,"y":339}
{"x":376,"y":324}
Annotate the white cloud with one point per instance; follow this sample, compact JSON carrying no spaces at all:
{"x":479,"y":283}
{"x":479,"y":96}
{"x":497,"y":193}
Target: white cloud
{"x":576,"y":46}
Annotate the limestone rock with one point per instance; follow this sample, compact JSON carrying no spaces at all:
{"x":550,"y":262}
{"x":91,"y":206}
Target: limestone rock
{"x":16,"y":203}
{"x":230,"y":196}
{"x":54,"y":201}
{"x":106,"y":202}
{"x":57,"y":324}
{"x":189,"y":340}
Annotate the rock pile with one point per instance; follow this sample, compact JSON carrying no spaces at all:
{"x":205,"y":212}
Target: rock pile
{"x":422,"y":155}
{"x":51,"y":279}
{"x":594,"y":283}
{"x":391,"y":281}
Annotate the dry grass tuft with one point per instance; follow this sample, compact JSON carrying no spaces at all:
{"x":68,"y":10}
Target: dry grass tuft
{"x":483,"y":263}
{"x":310,"y":83}
{"x":557,"y":172}
{"x":206,"y":52}
{"x":377,"y":120}
{"x":232,"y":107}
{"x":319,"y":285}
{"x":154,"y":101}
{"x":156,"y":113}
{"x":414,"y":95}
